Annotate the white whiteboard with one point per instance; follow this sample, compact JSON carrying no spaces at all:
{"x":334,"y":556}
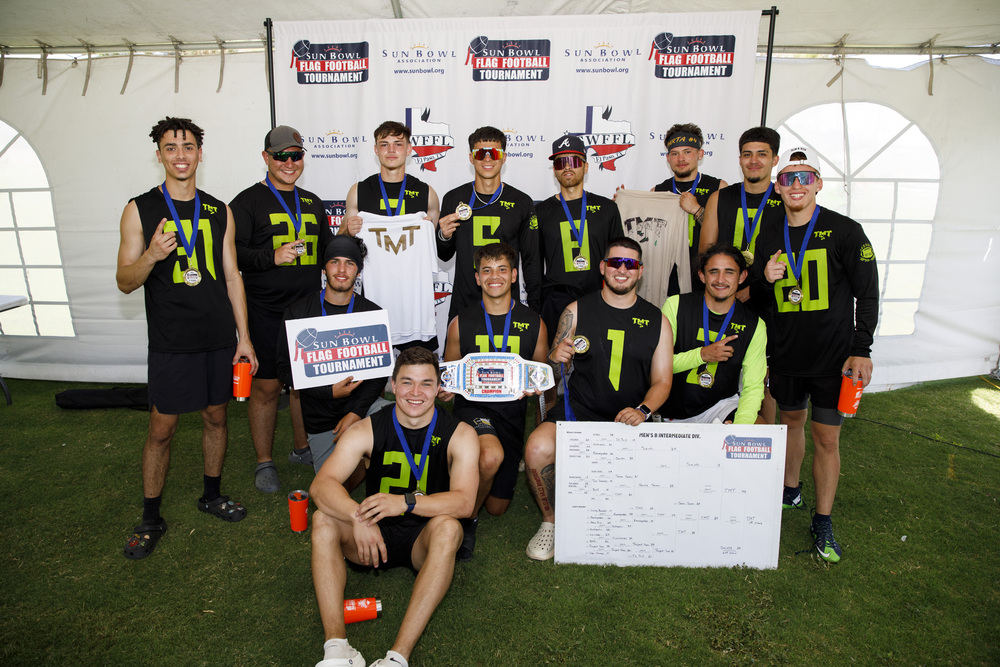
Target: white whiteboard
{"x":666,"y":494}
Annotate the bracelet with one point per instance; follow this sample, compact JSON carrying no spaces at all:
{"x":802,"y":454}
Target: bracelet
{"x":441,"y":236}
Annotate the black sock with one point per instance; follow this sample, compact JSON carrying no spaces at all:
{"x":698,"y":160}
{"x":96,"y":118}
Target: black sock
{"x":151,"y":510}
{"x":301,"y":451}
{"x":821,"y":518}
{"x":212,"y":485}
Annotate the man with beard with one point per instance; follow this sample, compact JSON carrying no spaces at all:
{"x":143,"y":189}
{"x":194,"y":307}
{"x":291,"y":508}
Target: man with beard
{"x":574,"y":229}
{"x":281,"y":233}
{"x":621,"y":350}
{"x":329,"y":411}
{"x":821,"y":282}
{"x":716,"y":340}
{"x":684,"y":154}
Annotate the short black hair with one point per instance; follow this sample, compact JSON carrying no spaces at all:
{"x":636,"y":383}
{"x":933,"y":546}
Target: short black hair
{"x":764,"y":135}
{"x":176,"y":125}
{"x":683,"y":128}
{"x":722,"y":248}
{"x":624,"y":242}
{"x":391,"y":128}
{"x":487,"y":133}
{"x":416,"y":356}
{"x":495,"y":251}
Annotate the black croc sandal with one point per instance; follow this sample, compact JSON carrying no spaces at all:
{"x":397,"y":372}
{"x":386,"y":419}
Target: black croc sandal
{"x":144,"y":539}
{"x":224,"y":508}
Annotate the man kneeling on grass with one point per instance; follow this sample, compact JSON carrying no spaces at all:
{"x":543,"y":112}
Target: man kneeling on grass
{"x":422,"y":478}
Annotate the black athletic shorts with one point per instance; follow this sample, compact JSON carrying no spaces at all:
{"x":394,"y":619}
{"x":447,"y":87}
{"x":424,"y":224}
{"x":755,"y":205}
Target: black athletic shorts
{"x":795,"y":393}
{"x":265,"y":328}
{"x":557,"y":413}
{"x":399,"y":538}
{"x":181,"y":382}
{"x":511,"y":439}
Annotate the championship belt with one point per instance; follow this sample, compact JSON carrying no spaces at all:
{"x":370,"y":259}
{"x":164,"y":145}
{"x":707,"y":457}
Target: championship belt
{"x":495,"y":376}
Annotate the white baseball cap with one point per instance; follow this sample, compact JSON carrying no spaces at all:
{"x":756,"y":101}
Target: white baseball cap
{"x":807,"y":159}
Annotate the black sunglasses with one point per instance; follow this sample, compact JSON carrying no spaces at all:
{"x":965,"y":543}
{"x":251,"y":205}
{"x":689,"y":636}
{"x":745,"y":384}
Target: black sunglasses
{"x":284,"y":156}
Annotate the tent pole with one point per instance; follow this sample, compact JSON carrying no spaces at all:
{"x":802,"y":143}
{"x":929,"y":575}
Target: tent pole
{"x":773,"y":13}
{"x":269,"y":56}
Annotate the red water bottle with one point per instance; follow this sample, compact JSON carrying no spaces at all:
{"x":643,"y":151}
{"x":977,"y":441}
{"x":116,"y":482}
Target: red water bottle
{"x":241,"y":379}
{"x":361,"y":609}
{"x":850,"y":395}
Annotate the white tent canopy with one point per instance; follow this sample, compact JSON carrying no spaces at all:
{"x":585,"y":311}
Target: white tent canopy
{"x":71,"y":161}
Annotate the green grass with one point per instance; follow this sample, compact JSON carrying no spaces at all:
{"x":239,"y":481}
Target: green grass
{"x":241,"y":594}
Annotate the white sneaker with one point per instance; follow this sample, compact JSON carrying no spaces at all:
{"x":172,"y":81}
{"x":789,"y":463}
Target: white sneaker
{"x":390,"y":660}
{"x":543,"y":545}
{"x":343,"y":655}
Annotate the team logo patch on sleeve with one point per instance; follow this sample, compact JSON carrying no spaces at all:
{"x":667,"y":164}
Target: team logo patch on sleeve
{"x":867,"y":253}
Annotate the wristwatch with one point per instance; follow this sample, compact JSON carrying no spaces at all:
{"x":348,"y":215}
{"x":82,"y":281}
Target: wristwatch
{"x":411,"y":501}
{"x":646,"y":412}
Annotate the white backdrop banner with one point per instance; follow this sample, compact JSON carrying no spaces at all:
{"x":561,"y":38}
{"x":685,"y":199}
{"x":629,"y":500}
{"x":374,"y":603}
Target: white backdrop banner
{"x":617,"y":81}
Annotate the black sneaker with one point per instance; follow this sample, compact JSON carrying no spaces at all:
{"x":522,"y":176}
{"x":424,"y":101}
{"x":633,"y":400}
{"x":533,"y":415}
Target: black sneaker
{"x":792,"y":498}
{"x":464,"y":554}
{"x":826,"y":545}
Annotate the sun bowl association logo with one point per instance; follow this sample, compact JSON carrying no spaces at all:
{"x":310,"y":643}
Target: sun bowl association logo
{"x":604,"y":54}
{"x":334,"y":145}
{"x":737,"y":447}
{"x":335,"y":212}
{"x":330,"y":63}
{"x":695,"y":57}
{"x":508,"y":60}
{"x":417,"y":54}
{"x":430,"y":141}
{"x":609,"y":139}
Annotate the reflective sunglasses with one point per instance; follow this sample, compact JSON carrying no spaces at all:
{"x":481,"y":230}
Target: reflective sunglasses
{"x":284,"y":156}
{"x":805,"y":178}
{"x":627,"y":262}
{"x":481,"y":153}
{"x":567,"y":162}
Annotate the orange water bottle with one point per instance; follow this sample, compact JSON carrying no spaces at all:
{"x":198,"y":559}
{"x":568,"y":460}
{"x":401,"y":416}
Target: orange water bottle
{"x":361,"y":609}
{"x":850,"y":395}
{"x":241,"y":379}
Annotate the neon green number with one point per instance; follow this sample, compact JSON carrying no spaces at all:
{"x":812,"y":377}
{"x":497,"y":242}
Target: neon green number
{"x":310,"y":256}
{"x":569,"y":244}
{"x":814,"y":297}
{"x":480,"y":224}
{"x":738,"y":235}
{"x":617,"y":338}
{"x":403,"y":481}
{"x":513,"y":343}
{"x":204,"y":232}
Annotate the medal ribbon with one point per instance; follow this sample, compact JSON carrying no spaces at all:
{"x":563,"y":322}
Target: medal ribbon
{"x":188,"y":244}
{"x":496,"y":195}
{"x":385,"y":197}
{"x":297,"y":218}
{"x":506,"y":327}
{"x":578,"y":233}
{"x":570,"y":416}
{"x":725,"y":324}
{"x":747,"y":229}
{"x":322,"y":303}
{"x":797,"y":263}
{"x":694,"y":186}
{"x":417,"y":470}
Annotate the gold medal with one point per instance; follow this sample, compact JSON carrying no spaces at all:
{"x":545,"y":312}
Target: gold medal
{"x":795,"y":295}
{"x":748,"y":256}
{"x":300,"y":248}
{"x":192,"y":277}
{"x":580,"y":263}
{"x":581,"y":344}
{"x":706,"y":380}
{"x":464,"y":211}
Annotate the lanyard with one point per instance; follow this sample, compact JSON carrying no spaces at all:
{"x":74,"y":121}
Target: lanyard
{"x":569,"y":415}
{"x":297,"y":218}
{"x":578,"y":233}
{"x":748,"y":230}
{"x":694,"y":186}
{"x":506,"y":327}
{"x":322,"y":303}
{"x":725,"y":323}
{"x":399,"y":199}
{"x":188,"y":244}
{"x":799,"y":262}
{"x":417,"y":470}
{"x":496,"y":195}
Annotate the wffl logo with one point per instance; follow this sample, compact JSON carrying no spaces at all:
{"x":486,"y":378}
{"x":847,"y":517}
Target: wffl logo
{"x":609,"y":139}
{"x":430,"y":141}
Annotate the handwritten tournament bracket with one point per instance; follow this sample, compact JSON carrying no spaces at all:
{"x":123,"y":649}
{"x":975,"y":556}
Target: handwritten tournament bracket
{"x":666,"y":494}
